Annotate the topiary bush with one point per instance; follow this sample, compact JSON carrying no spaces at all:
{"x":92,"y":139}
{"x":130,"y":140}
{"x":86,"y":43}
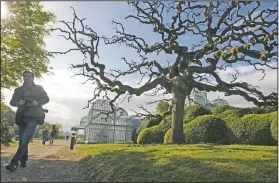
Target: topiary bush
{"x":154,"y":134}
{"x":230,"y":120}
{"x":167,"y":136}
{"x":253,"y":129}
{"x":220,"y":109}
{"x":232,"y":112}
{"x":206,"y":129}
{"x":166,"y":123}
{"x":274,"y":125}
{"x":145,"y":124}
{"x":153,"y":121}
{"x":193,"y":111}
{"x":229,"y":115}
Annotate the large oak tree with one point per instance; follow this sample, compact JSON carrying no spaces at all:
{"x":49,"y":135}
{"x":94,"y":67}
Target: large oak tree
{"x":228,"y":34}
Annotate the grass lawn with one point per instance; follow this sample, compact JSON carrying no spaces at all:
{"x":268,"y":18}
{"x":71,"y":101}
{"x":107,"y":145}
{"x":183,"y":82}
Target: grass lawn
{"x":186,"y":163}
{"x":14,"y":143}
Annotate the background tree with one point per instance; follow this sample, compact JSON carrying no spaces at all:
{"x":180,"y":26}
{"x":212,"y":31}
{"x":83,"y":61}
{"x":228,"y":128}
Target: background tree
{"x":162,"y":107}
{"x":228,"y":34}
{"x":39,"y":130}
{"x":23,"y":31}
{"x":9,"y":115}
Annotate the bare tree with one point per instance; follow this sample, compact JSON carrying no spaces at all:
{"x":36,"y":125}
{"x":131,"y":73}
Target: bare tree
{"x":229,"y":33}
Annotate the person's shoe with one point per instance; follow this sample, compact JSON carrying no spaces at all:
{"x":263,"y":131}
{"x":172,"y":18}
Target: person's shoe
{"x":23,"y":164}
{"x":12,"y":167}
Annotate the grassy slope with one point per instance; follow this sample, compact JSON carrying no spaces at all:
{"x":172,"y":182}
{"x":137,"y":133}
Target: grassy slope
{"x":187,"y":163}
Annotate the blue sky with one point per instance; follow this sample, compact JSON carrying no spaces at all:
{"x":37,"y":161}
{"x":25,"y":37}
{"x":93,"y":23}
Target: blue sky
{"x":68,"y":96}
{"x":99,"y":15}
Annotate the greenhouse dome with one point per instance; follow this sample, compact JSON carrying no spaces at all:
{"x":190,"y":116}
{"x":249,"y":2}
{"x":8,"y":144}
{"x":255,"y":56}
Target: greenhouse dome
{"x":219,"y":101}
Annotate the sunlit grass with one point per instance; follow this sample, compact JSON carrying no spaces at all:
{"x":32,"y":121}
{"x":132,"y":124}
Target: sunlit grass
{"x":186,"y":163}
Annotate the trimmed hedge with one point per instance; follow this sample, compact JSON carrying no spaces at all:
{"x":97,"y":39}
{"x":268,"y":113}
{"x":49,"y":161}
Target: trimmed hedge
{"x":145,"y":124}
{"x":220,"y":109}
{"x":225,"y":111}
{"x":274,"y":125}
{"x":206,"y":129}
{"x":252,"y":129}
{"x":193,"y":111}
{"x":167,"y":136}
{"x":154,"y":134}
{"x":230,"y":120}
{"x":232,"y":112}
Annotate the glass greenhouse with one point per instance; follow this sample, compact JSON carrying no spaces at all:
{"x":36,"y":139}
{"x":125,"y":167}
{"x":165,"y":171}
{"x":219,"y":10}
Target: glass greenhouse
{"x":200,"y":97}
{"x":219,"y":101}
{"x":116,"y":129}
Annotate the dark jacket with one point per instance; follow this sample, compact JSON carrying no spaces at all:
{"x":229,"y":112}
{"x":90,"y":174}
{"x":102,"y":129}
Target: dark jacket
{"x":36,"y":92}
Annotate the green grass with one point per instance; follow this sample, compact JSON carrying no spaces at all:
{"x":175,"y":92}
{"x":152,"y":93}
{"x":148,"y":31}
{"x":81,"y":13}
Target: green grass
{"x":186,"y":163}
{"x":14,"y":143}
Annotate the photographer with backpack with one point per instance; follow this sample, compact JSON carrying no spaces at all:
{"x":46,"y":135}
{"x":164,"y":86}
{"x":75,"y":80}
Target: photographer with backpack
{"x":29,"y":99}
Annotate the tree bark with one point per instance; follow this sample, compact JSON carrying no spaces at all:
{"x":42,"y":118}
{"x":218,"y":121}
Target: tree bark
{"x":178,"y":102}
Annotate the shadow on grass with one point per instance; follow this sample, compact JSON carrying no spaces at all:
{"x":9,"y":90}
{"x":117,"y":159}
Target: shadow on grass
{"x":129,"y":166}
{"x":229,"y":147}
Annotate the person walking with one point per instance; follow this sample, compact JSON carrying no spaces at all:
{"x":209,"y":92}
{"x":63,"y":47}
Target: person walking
{"x":67,"y":137}
{"x":28,"y":99}
{"x":53,"y":134}
{"x":45,"y":136}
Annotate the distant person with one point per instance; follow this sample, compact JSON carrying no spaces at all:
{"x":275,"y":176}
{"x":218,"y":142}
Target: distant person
{"x":67,"y":137}
{"x":53,"y":134}
{"x":29,"y":99}
{"x":45,"y":136}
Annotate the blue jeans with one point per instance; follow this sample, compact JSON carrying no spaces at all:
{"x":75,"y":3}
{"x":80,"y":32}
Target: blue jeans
{"x":25,"y":135}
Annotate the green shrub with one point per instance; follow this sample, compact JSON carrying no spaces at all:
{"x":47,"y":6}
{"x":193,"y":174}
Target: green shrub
{"x":162,"y":107}
{"x":7,"y":132}
{"x":224,"y":111}
{"x":166,"y":123}
{"x":230,"y":120}
{"x":220,"y":109}
{"x":274,"y":125}
{"x":253,"y":129}
{"x":269,"y":109}
{"x":153,"y":121}
{"x":167,"y":136}
{"x":232,"y":112}
{"x":206,"y":129}
{"x":134,"y":135}
{"x":256,"y":110}
{"x":193,"y":111}
{"x":145,"y":124}
{"x":229,"y":115}
{"x":154,"y":134}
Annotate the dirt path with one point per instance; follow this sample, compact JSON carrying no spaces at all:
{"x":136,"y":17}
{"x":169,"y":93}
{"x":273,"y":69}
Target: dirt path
{"x":44,"y":165}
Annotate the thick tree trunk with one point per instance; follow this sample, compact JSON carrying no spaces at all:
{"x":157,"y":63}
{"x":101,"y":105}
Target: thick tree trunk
{"x":178,"y":102}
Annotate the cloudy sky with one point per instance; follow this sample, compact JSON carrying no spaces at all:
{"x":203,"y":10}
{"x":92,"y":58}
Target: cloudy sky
{"x":68,"y":96}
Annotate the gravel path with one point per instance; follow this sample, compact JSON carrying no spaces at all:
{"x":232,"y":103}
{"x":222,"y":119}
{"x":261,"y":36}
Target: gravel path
{"x":45,"y":164}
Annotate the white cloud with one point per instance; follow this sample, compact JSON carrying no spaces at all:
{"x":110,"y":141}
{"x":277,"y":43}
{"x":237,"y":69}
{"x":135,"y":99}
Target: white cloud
{"x":251,"y":76}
